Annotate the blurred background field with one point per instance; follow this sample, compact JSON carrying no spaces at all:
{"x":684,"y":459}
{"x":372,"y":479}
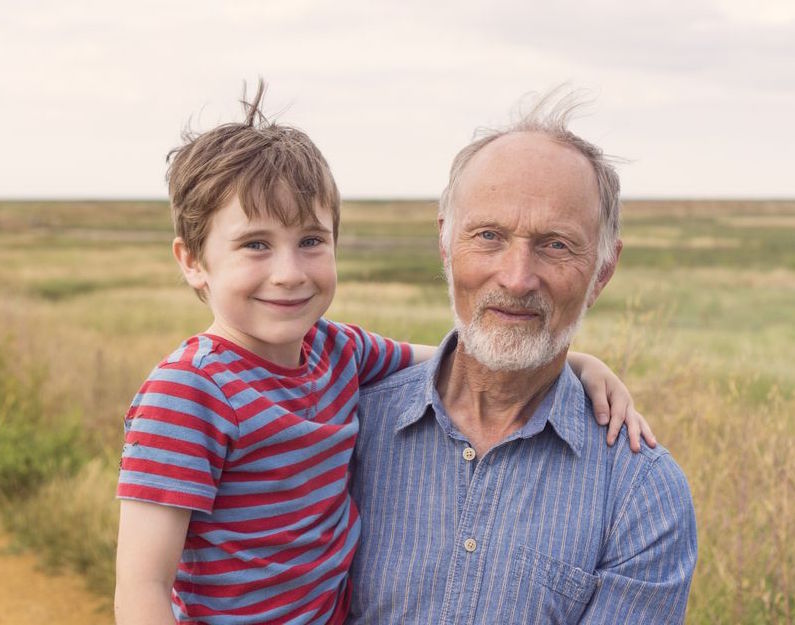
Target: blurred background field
{"x":699,"y":319}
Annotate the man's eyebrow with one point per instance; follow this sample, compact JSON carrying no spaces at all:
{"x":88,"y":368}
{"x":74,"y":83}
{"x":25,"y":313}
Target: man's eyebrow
{"x":481,"y":223}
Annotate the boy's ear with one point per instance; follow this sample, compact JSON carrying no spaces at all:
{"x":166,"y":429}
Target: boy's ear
{"x":190,"y":265}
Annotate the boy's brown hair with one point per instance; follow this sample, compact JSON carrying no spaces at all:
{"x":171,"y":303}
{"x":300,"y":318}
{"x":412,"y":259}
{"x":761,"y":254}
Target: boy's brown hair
{"x":270,"y":167}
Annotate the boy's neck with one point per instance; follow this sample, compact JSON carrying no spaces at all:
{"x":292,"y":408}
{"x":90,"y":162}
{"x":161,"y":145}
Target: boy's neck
{"x":288,"y":356}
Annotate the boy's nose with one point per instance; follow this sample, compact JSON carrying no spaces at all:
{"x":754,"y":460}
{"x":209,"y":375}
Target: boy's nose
{"x":286,"y":269}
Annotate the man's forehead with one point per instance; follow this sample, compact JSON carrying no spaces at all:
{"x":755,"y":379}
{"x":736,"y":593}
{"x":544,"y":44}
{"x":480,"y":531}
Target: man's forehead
{"x":528,"y":154}
{"x":531,"y":169}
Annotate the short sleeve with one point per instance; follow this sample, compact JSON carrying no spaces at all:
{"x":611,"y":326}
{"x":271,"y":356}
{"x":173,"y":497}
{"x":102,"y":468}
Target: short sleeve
{"x":377,"y":356}
{"x":178,"y":432}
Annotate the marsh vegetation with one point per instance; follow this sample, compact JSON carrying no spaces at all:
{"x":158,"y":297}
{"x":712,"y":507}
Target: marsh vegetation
{"x":698,"y":320}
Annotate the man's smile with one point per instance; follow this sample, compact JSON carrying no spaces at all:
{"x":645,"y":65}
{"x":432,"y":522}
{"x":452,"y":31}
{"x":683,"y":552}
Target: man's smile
{"x":508,"y":314}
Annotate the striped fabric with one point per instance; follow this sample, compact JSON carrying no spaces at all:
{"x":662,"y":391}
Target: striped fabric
{"x":260,"y":454}
{"x":550,"y":526}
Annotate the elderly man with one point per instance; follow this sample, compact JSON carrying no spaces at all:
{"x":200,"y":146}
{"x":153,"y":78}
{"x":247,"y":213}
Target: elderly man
{"x":486,"y":491}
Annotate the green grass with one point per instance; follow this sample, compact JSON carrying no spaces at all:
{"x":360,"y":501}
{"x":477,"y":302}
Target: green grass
{"x":698,"y":320}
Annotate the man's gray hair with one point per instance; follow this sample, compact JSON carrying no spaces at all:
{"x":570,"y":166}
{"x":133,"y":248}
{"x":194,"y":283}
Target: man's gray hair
{"x":550,"y":116}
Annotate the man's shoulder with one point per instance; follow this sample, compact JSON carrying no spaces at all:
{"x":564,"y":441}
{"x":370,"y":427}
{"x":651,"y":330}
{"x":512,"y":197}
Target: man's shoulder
{"x":648,"y":456}
{"x":651,"y":470}
{"x":629,"y":469}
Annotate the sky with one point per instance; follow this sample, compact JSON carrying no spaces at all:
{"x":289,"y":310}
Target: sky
{"x":697,"y":96}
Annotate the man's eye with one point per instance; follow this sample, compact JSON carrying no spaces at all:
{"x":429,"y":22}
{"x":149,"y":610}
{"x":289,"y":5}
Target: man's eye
{"x":558,"y":245}
{"x":488,"y":235}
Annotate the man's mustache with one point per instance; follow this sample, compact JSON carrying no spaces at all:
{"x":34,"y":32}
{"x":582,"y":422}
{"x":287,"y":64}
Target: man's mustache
{"x":533,"y":303}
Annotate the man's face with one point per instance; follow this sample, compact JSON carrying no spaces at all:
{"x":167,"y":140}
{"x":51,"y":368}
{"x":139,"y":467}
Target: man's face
{"x":522,"y":259}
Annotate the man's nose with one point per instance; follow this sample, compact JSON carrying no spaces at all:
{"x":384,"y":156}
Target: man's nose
{"x":518,"y":273}
{"x":287,"y":268}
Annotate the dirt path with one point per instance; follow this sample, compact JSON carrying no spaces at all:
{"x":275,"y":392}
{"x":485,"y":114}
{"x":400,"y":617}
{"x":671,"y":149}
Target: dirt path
{"x":29,"y":596}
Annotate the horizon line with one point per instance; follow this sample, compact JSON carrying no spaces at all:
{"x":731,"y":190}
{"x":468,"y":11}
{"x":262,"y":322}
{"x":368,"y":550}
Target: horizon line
{"x":410,"y":198}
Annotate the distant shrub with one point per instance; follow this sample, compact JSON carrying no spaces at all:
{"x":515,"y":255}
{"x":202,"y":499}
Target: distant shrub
{"x":57,"y":289}
{"x":35,"y":445}
{"x":50,"y":468}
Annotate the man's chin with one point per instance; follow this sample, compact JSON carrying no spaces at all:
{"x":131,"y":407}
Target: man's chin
{"x":506,"y":351}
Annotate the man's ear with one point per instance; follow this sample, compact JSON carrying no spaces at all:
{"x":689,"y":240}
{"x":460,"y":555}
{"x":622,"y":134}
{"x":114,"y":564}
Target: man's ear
{"x":605,"y":273}
{"x":189,"y":264}
{"x":442,"y":251}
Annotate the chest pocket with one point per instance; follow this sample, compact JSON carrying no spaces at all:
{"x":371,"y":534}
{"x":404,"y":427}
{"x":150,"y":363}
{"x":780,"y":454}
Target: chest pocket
{"x":545,"y":590}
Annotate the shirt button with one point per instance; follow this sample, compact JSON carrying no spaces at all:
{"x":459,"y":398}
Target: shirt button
{"x":469,"y":454}
{"x":470,"y":545}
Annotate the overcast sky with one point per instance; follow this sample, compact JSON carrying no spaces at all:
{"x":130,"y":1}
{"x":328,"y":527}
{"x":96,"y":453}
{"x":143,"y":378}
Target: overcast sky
{"x":699,"y":95}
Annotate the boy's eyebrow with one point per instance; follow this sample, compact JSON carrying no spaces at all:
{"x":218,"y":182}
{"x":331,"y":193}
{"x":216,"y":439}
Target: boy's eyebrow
{"x":318,"y":227}
{"x":264,"y":232}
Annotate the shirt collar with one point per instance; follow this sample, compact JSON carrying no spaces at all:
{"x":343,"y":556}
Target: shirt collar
{"x":428,"y":397}
{"x":563,"y":407}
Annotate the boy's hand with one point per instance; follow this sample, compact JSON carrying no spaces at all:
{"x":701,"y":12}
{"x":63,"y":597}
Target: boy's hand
{"x":611,"y":399}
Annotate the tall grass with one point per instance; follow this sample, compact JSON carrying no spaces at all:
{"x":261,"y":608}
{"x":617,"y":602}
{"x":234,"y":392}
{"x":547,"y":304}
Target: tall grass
{"x":36,"y":444}
{"x":92,"y":301}
{"x":72,"y":522}
{"x":737,"y":450}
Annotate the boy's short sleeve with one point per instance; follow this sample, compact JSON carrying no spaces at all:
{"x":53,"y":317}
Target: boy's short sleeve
{"x":377,"y":356}
{"x":178,"y":431}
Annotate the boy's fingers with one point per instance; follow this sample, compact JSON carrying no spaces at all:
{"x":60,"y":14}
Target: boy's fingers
{"x":598,"y":394}
{"x":618,"y":414}
{"x":633,"y":431}
{"x":648,"y":435}
{"x":602,"y":410}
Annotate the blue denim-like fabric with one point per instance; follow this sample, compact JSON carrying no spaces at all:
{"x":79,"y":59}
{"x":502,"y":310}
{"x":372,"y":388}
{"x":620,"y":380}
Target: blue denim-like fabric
{"x":565,"y":528}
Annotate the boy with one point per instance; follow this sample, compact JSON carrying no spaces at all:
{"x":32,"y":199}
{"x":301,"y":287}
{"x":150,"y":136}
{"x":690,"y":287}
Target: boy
{"x":235,"y":506}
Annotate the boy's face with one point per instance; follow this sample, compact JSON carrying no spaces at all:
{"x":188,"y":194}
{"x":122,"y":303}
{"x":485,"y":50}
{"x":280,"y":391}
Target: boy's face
{"x":266,"y":283}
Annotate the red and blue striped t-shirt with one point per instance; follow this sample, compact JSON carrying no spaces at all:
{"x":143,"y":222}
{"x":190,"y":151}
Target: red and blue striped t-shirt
{"x":260,"y":454}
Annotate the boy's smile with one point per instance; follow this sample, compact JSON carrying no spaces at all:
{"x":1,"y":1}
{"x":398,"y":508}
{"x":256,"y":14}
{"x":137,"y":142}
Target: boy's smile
{"x":267,"y":283}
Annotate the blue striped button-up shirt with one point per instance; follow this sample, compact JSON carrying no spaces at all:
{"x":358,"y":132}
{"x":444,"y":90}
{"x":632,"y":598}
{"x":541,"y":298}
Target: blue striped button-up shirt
{"x":550,"y":526}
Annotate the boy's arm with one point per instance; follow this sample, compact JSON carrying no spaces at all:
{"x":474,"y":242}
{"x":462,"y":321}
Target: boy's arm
{"x":151,"y":540}
{"x":611,"y":399}
{"x":421,"y":353}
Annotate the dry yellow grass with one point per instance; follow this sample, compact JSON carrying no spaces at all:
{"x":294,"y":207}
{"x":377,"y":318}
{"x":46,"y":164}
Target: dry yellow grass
{"x":707,"y":349}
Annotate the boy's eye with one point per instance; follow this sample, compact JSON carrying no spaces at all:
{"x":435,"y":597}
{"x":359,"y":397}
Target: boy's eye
{"x":311,"y":242}
{"x":258,"y":246}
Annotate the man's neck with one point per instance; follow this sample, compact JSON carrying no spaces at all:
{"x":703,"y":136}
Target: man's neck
{"x":487,"y":406}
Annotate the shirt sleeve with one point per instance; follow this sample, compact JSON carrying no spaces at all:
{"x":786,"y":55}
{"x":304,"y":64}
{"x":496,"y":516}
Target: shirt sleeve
{"x":377,"y":356}
{"x":648,"y":563}
{"x":177,"y":434}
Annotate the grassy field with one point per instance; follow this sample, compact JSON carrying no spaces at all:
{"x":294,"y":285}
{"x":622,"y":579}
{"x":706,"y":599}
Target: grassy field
{"x":698,"y":320}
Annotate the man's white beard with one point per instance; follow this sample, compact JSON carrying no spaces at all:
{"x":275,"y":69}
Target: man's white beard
{"x":514,"y":347}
